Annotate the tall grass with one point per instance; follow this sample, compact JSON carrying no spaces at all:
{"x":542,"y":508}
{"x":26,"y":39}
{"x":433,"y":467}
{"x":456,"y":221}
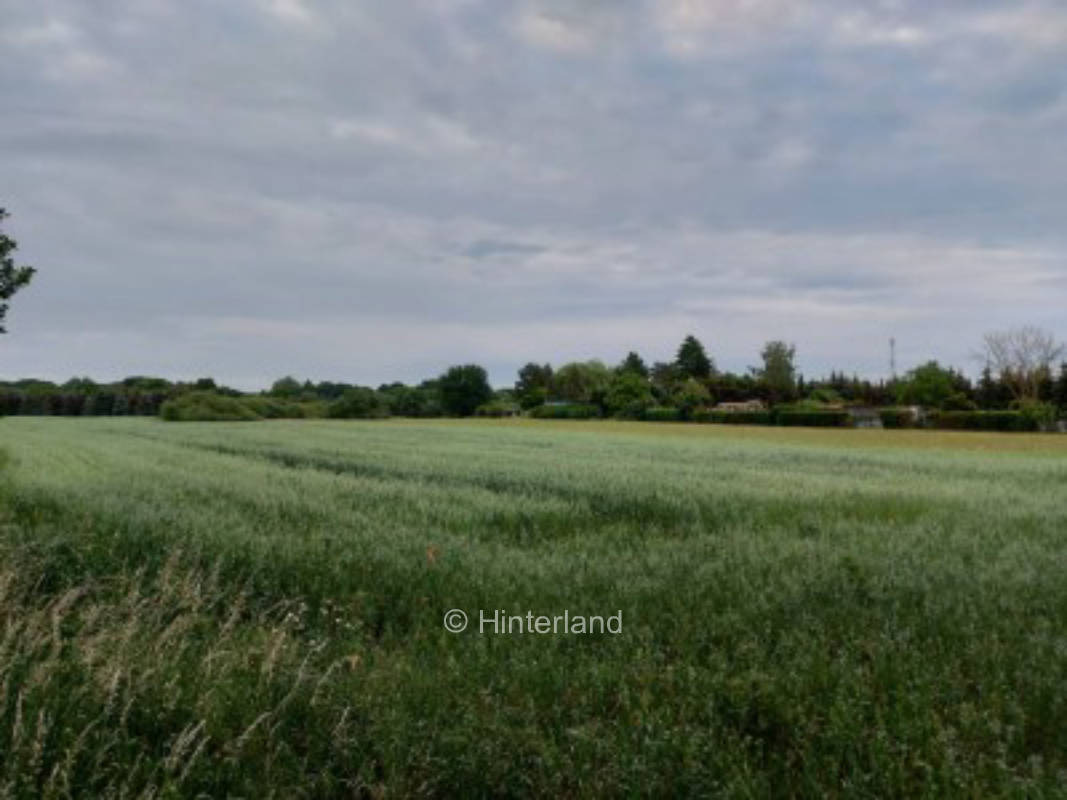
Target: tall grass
{"x":256,"y":610}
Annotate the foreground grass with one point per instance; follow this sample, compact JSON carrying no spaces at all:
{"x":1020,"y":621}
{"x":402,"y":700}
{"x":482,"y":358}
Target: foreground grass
{"x":240,"y":610}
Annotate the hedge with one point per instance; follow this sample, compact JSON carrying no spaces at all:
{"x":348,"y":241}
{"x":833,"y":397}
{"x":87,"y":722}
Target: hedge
{"x":207,"y":407}
{"x":734,"y":417}
{"x":813,"y":418}
{"x":496,"y":409}
{"x":983,"y":421}
{"x":565,"y":411}
{"x":273,"y":408}
{"x":897,"y":418}
{"x":661,"y":414}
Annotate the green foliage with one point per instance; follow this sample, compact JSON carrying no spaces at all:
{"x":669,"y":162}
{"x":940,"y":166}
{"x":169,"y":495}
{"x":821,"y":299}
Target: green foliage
{"x":735,"y":417}
{"x":1059,"y":389}
{"x":463,"y":388}
{"x":779,"y":371}
{"x":897,"y":418}
{"x":1043,"y":415}
{"x":581,"y":382}
{"x":206,"y":407}
{"x":633,"y":363}
{"x":689,"y":396}
{"x":12,"y":278}
{"x":662,"y":414}
{"x":958,"y":402}
{"x":810,"y":417}
{"x":628,"y":395}
{"x":692,"y":361}
{"x":930,"y":386}
{"x":565,"y":411}
{"x":411,"y":401}
{"x":359,"y":402}
{"x":276,"y":408}
{"x":287,"y":387}
{"x":534,"y":384}
{"x":983,"y":421}
{"x":497,"y":408}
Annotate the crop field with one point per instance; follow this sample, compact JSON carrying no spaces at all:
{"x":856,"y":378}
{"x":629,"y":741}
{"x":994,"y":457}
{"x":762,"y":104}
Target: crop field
{"x":256,"y":610}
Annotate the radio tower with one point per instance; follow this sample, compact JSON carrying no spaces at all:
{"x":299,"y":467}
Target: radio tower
{"x":893,"y":358}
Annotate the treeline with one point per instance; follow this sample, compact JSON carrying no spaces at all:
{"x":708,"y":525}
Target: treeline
{"x":690,"y":386}
{"x":133,"y":396}
{"x":687,"y":388}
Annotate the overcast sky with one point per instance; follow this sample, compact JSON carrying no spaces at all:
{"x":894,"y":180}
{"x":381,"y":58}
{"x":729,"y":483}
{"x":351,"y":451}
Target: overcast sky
{"x":373,"y":191}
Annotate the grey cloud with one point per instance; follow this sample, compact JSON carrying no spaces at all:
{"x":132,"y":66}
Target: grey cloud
{"x":503,"y":181}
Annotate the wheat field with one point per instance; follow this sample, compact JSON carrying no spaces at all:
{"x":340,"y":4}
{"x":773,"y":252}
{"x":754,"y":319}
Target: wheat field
{"x":255,"y":610}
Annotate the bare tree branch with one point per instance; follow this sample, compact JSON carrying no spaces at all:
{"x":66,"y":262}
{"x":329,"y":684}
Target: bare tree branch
{"x":1022,"y":357}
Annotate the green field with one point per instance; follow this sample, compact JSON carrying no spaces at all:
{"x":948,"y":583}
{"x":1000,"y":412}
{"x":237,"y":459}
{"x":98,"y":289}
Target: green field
{"x":255,"y":610}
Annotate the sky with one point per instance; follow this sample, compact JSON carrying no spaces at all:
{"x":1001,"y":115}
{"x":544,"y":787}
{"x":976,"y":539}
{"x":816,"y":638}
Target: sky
{"x":373,"y":191}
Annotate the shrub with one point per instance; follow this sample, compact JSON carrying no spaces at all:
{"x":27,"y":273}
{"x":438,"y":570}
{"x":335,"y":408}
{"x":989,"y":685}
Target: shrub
{"x":897,"y":418}
{"x":463,"y":388}
{"x":958,"y":402}
{"x":734,"y":417}
{"x":358,"y":403}
{"x":206,"y":407}
{"x":1043,"y":415}
{"x":628,"y":396}
{"x":565,"y":411}
{"x":662,"y":414}
{"x":497,"y":409}
{"x":813,"y":418}
{"x":274,"y":408}
{"x":984,"y":421}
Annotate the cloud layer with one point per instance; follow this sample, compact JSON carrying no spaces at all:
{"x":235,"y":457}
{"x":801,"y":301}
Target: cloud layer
{"x":373,"y":191}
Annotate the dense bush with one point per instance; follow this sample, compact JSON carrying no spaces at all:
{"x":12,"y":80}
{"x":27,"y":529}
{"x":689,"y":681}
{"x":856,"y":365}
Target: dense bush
{"x":959,"y":402}
{"x":628,"y":396}
{"x":811,"y":418}
{"x":497,"y":409}
{"x":275,"y":408}
{"x":734,"y":417}
{"x":565,"y":411}
{"x":662,"y":414}
{"x":463,"y":388}
{"x":983,"y":421}
{"x":897,"y":418}
{"x":358,"y":403}
{"x":1043,"y":415}
{"x":57,"y":402}
{"x":411,"y":401}
{"x":206,"y":407}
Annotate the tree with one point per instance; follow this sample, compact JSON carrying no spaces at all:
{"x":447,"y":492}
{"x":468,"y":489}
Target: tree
{"x":929,"y":385}
{"x":692,"y":394}
{"x":12,"y":278}
{"x":635,"y":364}
{"x":533,"y":385}
{"x":991,"y":393}
{"x":360,"y":402}
{"x":581,"y":381}
{"x":1023,"y":357}
{"x":664,"y":377}
{"x":288,"y":387}
{"x":463,"y":388}
{"x":779,"y":372}
{"x":628,"y":395}
{"x":692,"y":361}
{"x":1059,"y":394}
